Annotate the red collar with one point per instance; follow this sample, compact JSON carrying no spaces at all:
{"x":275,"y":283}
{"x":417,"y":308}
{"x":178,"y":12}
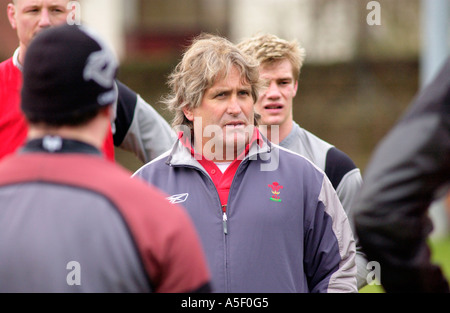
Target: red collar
{"x":186,"y":143}
{"x":222,"y":181}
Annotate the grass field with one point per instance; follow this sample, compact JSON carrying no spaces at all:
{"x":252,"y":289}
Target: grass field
{"x":441,"y":255}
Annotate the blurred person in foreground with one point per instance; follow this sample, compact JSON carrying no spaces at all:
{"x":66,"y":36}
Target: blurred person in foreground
{"x":135,"y":125}
{"x":264,"y":227}
{"x":409,"y":169}
{"x":71,"y":221}
{"x":280,"y":65}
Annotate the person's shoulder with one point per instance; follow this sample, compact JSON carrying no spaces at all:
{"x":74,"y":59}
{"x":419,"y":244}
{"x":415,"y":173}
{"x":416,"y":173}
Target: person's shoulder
{"x":314,"y":140}
{"x":308,"y":144}
{"x":338,"y":165}
{"x":6,"y":67}
{"x":339,"y":160}
{"x":118,"y":183}
{"x":5,"y":62}
{"x":158,"y":162}
{"x":335,"y":158}
{"x":125,"y":90}
{"x":293,"y":158}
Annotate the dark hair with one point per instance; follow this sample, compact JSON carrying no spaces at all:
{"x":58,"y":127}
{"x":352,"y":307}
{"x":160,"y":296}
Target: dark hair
{"x":68,"y":76}
{"x":77,"y":118}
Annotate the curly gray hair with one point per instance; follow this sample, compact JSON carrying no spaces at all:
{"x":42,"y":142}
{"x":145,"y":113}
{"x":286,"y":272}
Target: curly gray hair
{"x":209,"y":58}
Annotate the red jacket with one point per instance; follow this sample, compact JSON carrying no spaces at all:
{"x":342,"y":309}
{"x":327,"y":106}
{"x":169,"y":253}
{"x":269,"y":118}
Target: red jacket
{"x":13,"y":125}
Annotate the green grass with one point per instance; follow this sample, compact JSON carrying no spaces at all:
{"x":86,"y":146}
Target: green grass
{"x":440,"y":249}
{"x":372,"y":289}
{"x":441,"y":254}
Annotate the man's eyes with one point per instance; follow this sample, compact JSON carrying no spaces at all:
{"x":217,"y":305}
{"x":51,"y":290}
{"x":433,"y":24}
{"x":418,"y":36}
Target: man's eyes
{"x":226,"y":94}
{"x":220,"y":95}
{"x":51,"y":10}
{"x":32,"y":10}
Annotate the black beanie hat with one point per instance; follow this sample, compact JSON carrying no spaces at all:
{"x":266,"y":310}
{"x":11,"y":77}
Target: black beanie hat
{"x":67,"y":70}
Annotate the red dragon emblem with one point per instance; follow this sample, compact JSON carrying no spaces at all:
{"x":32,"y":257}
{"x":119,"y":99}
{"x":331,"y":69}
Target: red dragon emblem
{"x":276,"y":187}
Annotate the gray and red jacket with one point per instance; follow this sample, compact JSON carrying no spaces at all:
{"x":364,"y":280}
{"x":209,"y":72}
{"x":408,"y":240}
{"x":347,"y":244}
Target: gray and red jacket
{"x":71,"y":221}
{"x":284,"y":229}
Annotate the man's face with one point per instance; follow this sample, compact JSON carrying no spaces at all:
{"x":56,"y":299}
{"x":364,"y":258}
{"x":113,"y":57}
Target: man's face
{"x":226,"y":118}
{"x":29,"y":17}
{"x":275,"y":100}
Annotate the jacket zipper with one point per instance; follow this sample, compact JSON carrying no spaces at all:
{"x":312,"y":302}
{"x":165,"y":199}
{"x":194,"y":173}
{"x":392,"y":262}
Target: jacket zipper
{"x":224,"y":207}
{"x":225,"y":219}
{"x":225,"y":231}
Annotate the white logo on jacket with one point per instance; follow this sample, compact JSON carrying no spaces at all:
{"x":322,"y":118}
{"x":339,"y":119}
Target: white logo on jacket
{"x":178,"y":198}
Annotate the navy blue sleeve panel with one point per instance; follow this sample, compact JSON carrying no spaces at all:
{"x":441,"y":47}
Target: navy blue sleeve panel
{"x":337,"y":165}
{"x":126,"y":106}
{"x":322,"y":253}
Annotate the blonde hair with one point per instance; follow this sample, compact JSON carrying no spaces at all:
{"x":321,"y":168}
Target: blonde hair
{"x":268,"y":48}
{"x":208,"y":59}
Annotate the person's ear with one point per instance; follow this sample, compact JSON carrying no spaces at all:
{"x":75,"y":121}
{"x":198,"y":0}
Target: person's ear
{"x":295,"y":87}
{"x":110,"y":112}
{"x":188,"y":114}
{"x":107,"y":112}
{"x":11,"y":12}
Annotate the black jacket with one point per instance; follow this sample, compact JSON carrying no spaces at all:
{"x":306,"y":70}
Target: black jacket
{"x":408,"y":170}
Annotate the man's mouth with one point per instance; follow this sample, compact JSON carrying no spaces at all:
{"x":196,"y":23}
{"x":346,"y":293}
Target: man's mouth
{"x":235,"y":124}
{"x":273,"y":106}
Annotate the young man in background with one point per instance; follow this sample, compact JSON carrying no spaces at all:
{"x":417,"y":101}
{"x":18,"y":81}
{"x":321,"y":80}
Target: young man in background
{"x":280,"y":65}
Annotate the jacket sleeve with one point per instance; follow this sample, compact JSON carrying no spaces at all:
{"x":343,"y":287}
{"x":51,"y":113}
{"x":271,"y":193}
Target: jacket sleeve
{"x":408,"y":167}
{"x":348,"y":191}
{"x":346,"y":179}
{"x":330,"y":246}
{"x":139,"y":128}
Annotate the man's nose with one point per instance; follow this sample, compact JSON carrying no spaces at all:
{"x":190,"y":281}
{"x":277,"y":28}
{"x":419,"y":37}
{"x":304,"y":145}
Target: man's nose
{"x":272,"y":91}
{"x":233,"y":106}
{"x":44,"y":21}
